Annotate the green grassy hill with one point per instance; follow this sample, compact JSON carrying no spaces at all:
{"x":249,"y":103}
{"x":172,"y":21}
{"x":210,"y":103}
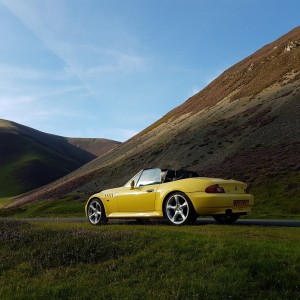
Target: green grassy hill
{"x":27,"y":164}
{"x":30,"y":158}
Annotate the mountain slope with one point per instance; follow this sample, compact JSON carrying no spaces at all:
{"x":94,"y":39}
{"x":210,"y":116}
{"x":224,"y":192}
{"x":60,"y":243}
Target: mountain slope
{"x":244,"y":125}
{"x":30,"y":158}
{"x":97,"y":146}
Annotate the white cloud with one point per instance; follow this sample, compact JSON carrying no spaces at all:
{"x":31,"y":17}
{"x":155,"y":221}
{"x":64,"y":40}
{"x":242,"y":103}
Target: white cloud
{"x":118,"y":62}
{"x":118,"y":134}
{"x":9,"y":103}
{"x":24,"y":98}
{"x":208,"y":78}
{"x":44,"y":19}
{"x":23,"y":73}
{"x":26,"y":110}
{"x":211,"y":77}
{"x":18,"y":83}
{"x":194,"y":90}
{"x":126,"y":134}
{"x":87,"y":58}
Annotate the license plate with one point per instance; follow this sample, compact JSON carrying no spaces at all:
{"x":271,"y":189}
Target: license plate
{"x":240,"y":203}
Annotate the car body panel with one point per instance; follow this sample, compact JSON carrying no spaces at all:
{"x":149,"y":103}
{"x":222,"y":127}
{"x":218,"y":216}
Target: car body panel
{"x":135,"y":215}
{"x":147,"y":201}
{"x":209,"y":204}
{"x":139,"y":199}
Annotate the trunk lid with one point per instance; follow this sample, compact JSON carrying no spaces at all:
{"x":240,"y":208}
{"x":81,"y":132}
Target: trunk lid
{"x":233,"y":187}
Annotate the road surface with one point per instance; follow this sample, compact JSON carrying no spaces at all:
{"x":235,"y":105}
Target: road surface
{"x":200,"y":221}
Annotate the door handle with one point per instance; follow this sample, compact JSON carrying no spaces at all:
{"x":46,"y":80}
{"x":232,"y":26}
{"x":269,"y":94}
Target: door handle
{"x":150,"y":191}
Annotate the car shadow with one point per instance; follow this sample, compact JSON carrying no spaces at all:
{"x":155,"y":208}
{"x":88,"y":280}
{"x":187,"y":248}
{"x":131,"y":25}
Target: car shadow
{"x":210,"y":221}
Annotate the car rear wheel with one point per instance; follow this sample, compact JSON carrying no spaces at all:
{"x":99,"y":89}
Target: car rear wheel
{"x":96,"y":212}
{"x":226,"y":219}
{"x":179,"y":210}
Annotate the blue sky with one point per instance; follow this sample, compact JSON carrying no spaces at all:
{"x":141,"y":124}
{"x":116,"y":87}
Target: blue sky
{"x":110,"y":68}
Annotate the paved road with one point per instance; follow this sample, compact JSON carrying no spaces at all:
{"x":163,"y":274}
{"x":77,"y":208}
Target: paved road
{"x":200,"y":221}
{"x":249,"y":222}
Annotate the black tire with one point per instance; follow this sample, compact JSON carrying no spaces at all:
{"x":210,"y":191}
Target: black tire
{"x":179,"y":210}
{"x":226,"y":219}
{"x":96,"y":212}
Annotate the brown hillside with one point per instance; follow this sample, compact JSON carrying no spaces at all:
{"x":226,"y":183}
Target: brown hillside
{"x":95,"y":146}
{"x":267,"y":66}
{"x":244,"y":125}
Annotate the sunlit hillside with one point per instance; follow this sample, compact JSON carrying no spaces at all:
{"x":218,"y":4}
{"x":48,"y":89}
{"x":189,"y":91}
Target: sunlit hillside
{"x":244,"y":125}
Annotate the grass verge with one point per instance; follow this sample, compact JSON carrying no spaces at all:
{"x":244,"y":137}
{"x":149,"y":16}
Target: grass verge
{"x":277,"y":199}
{"x":67,"y":206}
{"x":5,"y":200}
{"x":79,"y":261}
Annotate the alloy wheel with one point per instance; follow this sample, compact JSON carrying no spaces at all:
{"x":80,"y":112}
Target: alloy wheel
{"x":177,"y":209}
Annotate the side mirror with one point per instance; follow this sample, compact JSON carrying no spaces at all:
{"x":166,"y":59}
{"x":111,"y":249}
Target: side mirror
{"x":132,"y":184}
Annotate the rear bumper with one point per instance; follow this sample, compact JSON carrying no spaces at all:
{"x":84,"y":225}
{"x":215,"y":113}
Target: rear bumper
{"x":210,"y":204}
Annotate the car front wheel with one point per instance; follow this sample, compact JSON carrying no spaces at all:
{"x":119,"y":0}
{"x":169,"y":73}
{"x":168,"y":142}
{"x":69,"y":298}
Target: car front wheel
{"x":226,"y":219}
{"x":96,"y":212}
{"x":179,"y":210}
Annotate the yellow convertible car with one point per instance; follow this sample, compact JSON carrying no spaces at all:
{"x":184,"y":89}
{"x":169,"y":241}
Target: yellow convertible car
{"x":178,"y":196}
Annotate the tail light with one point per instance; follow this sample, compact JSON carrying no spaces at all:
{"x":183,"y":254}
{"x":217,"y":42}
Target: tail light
{"x":214,"y":189}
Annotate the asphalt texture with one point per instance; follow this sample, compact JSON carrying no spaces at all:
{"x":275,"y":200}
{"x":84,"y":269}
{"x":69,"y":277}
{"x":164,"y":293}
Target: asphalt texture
{"x":200,"y":221}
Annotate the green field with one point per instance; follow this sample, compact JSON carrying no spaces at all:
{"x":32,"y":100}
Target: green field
{"x":79,"y":261}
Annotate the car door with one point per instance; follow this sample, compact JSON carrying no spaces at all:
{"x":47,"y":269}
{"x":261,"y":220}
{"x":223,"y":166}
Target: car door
{"x":141,"y":198}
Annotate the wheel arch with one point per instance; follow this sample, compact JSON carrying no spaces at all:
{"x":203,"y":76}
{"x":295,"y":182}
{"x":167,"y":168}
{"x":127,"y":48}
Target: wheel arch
{"x":88,"y":202}
{"x":171,"y":193}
